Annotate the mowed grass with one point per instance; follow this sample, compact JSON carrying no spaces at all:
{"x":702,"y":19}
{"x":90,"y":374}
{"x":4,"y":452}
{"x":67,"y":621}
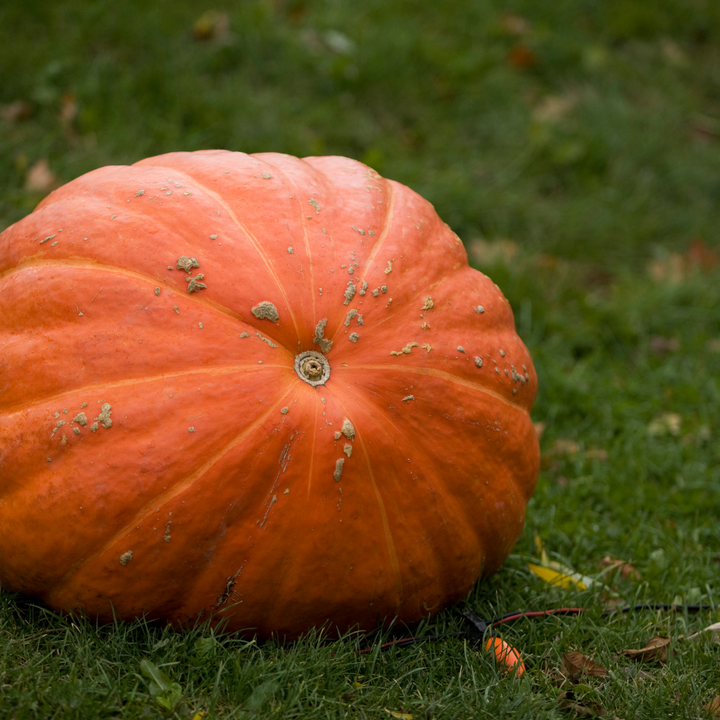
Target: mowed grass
{"x":574,"y":146}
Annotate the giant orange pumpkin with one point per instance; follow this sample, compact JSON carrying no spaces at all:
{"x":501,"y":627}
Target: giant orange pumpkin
{"x":255,"y":388}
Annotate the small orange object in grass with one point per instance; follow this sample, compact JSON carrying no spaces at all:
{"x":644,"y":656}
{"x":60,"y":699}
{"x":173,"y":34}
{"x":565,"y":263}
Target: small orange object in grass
{"x":506,"y":655}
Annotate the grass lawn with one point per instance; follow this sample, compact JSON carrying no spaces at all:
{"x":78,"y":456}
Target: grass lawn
{"x":575,"y":147}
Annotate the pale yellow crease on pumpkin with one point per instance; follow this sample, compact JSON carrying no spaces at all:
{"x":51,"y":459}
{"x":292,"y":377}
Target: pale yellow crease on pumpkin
{"x":387,"y":224}
{"x":392,"y":552}
{"x":90,"y":264}
{"x":312,"y":451}
{"x":159,"y":500}
{"x":442,"y":375}
{"x":264,"y":256}
{"x":94,"y":388}
{"x":306,"y":240}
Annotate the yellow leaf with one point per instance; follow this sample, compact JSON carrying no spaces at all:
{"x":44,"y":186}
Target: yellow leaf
{"x":198,"y":716}
{"x":401,"y":716}
{"x":566,"y":580}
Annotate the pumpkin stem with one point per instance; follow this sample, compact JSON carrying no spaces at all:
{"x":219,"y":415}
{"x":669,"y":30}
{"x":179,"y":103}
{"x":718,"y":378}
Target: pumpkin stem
{"x":312,"y":367}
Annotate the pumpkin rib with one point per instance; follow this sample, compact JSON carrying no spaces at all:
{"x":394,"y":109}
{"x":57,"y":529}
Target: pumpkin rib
{"x":227,"y":370}
{"x":384,"y":232}
{"x":382,"y":426}
{"x":164,"y":499}
{"x":442,"y":375}
{"x":250,"y":236}
{"x":306,"y":239}
{"x":392,"y":553}
{"x":387,"y":221}
{"x":92,"y":265}
{"x":311,"y":464}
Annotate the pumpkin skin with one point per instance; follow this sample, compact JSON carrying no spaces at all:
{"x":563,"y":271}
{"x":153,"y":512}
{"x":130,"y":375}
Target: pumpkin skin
{"x":162,"y":456}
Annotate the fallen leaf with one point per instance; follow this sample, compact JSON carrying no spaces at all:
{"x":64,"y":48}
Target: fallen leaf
{"x":212,"y":25}
{"x":40,"y":178}
{"x":667,"y":423}
{"x":656,"y":649}
{"x":514,"y":24}
{"x":556,"y":573}
{"x":705,"y":129}
{"x":566,"y":578}
{"x":17,"y":111}
{"x":539,"y":429}
{"x":68,"y":109}
{"x":521,"y":57}
{"x":671,"y":269}
{"x":553,"y":108}
{"x":701,"y":256}
{"x":673,"y":53}
{"x":714,"y":629}
{"x":662,"y":345}
{"x":491,"y":252}
{"x":713,"y":707}
{"x":401,"y":716}
{"x":565,"y":446}
{"x":625,"y":569}
{"x":576,"y":664}
{"x":675,"y":267}
{"x":596,"y":453}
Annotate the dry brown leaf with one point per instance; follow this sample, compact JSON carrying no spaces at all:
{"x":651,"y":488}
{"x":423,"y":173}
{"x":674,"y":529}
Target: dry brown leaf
{"x":553,"y":108}
{"x":656,"y":649}
{"x":521,"y":57}
{"x":596,"y":453}
{"x":671,"y":269}
{"x":17,"y":111}
{"x":676,"y":267}
{"x":40,"y":178}
{"x":662,"y":345}
{"x":701,"y":256}
{"x":514,"y":24}
{"x":539,"y":429}
{"x":626,"y":570}
{"x":577,"y":664}
{"x":212,"y":25}
{"x":489,"y":252}
{"x":713,"y":707}
{"x":667,"y":423}
{"x":564,"y":446}
{"x":68,"y":109}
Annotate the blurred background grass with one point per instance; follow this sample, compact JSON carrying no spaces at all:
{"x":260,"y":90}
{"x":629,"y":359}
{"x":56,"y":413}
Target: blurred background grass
{"x":586,"y":129}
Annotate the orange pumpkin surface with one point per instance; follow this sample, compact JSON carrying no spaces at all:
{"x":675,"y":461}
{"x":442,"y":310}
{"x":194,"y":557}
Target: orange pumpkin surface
{"x":171,"y":443}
